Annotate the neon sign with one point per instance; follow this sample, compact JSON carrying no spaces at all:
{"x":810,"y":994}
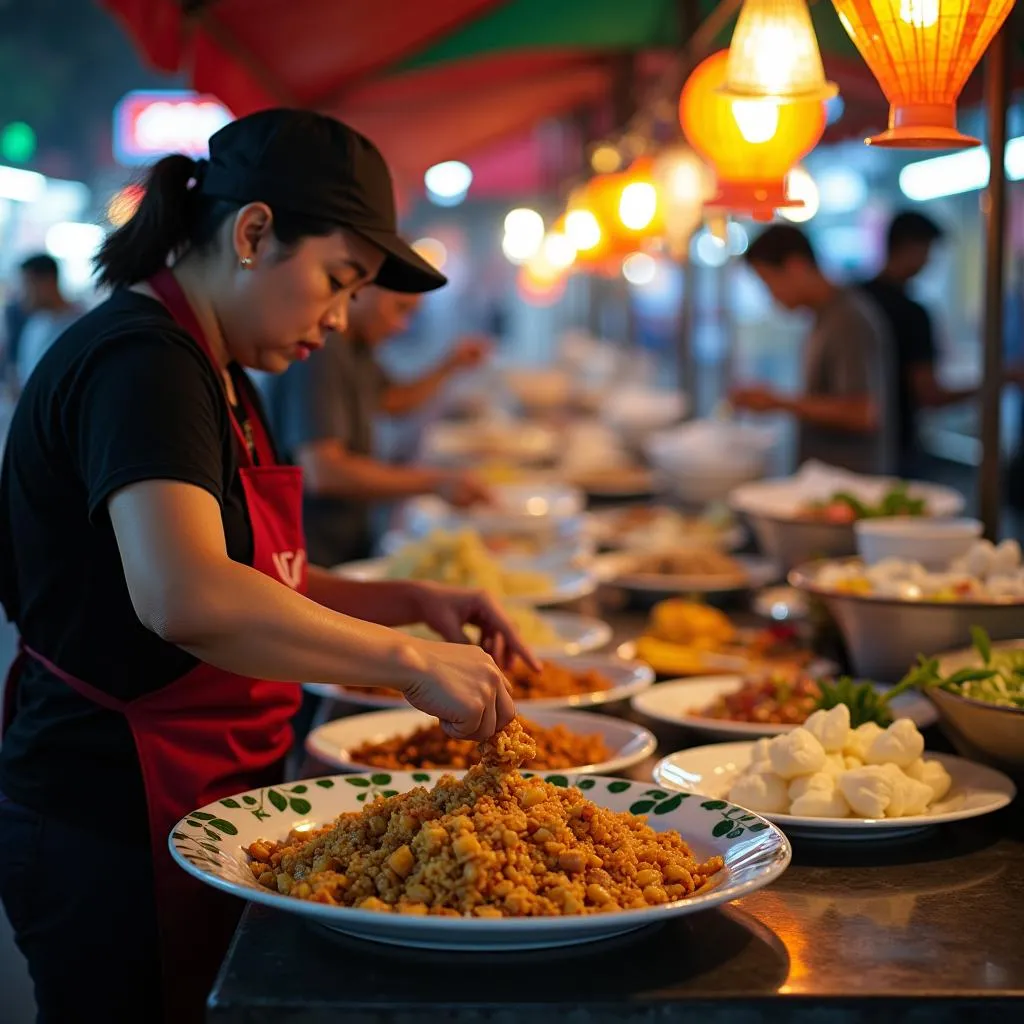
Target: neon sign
{"x":149,"y":124}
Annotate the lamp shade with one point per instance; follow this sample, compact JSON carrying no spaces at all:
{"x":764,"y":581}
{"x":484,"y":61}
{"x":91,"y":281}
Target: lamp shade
{"x":750,"y":144}
{"x":684,"y":184}
{"x":922,"y":52}
{"x":774,"y":54}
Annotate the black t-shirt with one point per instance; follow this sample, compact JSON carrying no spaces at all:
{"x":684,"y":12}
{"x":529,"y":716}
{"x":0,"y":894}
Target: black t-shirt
{"x":911,"y":330}
{"x":124,"y":395}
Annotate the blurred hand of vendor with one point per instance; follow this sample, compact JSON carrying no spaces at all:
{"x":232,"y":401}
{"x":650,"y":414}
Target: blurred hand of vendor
{"x":470,"y":352}
{"x":463,"y":490}
{"x":756,"y":399}
{"x":448,"y":610}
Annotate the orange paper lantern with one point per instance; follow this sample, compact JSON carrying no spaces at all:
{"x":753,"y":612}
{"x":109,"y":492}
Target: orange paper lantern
{"x":922,"y":52}
{"x":750,"y":144}
{"x":600,"y":240}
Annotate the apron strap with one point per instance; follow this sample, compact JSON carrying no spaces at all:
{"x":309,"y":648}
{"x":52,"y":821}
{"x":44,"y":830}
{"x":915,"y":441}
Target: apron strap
{"x":78,"y":685}
{"x":170,"y":292}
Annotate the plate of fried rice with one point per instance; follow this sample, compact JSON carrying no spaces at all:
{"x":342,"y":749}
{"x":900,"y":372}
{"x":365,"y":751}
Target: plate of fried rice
{"x":499,"y":859}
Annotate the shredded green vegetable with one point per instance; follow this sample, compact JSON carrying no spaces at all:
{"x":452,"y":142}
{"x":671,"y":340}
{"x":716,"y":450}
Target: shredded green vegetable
{"x":999,"y":679}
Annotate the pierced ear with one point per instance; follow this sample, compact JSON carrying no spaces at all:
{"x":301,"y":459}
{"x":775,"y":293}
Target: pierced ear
{"x":253,"y":231}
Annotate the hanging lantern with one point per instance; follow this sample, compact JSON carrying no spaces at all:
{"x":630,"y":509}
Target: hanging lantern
{"x":922,"y":52}
{"x":750,"y":144}
{"x":592,"y":224}
{"x":774,"y":54}
{"x":684,"y":184}
{"x":640,"y":209}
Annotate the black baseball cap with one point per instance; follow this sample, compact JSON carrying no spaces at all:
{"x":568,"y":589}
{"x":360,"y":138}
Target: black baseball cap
{"x":313,"y":165}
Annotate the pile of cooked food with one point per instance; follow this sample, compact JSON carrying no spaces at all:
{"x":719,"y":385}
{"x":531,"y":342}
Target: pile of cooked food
{"x":431,"y":747}
{"x":688,"y":562}
{"x":844,"y":507}
{"x":553,"y":680}
{"x":777,"y":698}
{"x":461,"y":559}
{"x":684,"y":638}
{"x":533,"y":629}
{"x":826,"y":769}
{"x":492,"y":844}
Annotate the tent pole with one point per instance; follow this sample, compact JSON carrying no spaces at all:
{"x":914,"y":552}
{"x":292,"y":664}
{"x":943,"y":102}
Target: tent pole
{"x":997,"y":88}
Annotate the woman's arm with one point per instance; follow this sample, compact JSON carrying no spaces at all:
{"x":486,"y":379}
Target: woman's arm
{"x":186,"y":589}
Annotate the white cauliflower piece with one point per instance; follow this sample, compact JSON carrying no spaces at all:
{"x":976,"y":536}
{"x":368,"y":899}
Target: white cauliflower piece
{"x":860,"y":739}
{"x":796,"y":753}
{"x":849,"y":762}
{"x":820,"y":782}
{"x":759,"y":792}
{"x":830,"y":728}
{"x":817,"y":803}
{"x":867,"y":790}
{"x":978,"y":561}
{"x":934,"y":775}
{"x":835,"y":765}
{"x":1005,"y":559}
{"x":901,"y":744}
{"x":909,"y":797}
{"x":760,"y":751}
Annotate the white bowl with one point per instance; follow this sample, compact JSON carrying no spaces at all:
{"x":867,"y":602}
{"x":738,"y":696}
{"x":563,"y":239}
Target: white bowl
{"x":772,"y":508}
{"x":932,"y":542}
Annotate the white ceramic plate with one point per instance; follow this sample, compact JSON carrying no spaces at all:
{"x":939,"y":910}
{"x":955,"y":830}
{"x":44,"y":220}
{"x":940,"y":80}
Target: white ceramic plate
{"x":628,"y":677}
{"x":615,"y":569}
{"x":536,"y":549}
{"x":331,"y":743}
{"x":567,"y":582}
{"x":525,"y":443}
{"x":711,"y":770}
{"x":629,"y":483}
{"x":210,"y":844}
{"x":606,"y":528}
{"x":577,"y":634}
{"x":678,"y":702}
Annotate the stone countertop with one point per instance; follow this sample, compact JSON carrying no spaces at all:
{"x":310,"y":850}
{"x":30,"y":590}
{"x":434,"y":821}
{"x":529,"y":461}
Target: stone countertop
{"x":925,"y":929}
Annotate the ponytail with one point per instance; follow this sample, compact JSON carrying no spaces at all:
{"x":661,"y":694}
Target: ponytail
{"x":174,"y":216}
{"x":164,"y":223}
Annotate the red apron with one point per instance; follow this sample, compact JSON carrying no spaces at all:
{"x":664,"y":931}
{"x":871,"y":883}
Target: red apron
{"x":210,"y":733}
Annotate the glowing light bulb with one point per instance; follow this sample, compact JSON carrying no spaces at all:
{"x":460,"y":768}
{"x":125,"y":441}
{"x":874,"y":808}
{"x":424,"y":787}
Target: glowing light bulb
{"x":800,"y":185}
{"x":558,"y":251}
{"x":639,"y":269}
{"x":583,"y":229}
{"x":757,"y":120}
{"x":919,"y":13}
{"x":524,"y":233}
{"x":638,"y":204}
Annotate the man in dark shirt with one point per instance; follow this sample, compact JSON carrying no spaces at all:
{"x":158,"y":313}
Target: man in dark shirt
{"x":909,"y":245}
{"x":322,"y":413}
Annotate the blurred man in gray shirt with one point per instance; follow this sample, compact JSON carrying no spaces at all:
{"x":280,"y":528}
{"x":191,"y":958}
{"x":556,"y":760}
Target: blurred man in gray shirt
{"x":322,"y":414}
{"x":847,"y":413}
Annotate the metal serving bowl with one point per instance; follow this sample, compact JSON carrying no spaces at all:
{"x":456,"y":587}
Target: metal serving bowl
{"x":884,"y":635}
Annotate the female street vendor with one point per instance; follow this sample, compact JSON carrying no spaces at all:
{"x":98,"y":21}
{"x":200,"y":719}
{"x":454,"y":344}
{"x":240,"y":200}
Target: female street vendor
{"x":151,"y":555}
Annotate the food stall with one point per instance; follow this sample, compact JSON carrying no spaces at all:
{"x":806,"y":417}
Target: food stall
{"x":837,"y":861}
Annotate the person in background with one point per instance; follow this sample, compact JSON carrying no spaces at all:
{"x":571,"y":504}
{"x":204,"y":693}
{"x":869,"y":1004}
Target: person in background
{"x":910,"y":241}
{"x":47,"y":313}
{"x":846,"y":414}
{"x":322,"y":413}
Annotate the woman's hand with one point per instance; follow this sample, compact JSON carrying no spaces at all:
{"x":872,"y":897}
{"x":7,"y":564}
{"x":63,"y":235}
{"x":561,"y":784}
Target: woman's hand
{"x":447,"y":610}
{"x":459,"y":684}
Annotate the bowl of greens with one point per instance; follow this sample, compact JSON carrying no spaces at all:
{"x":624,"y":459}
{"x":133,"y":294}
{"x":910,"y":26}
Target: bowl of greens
{"x":979,"y":692}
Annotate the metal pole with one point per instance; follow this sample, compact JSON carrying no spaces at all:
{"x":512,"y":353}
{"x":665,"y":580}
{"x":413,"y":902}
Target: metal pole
{"x":997,"y":88}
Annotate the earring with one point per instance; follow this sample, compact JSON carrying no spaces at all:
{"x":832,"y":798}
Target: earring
{"x":246,"y":262}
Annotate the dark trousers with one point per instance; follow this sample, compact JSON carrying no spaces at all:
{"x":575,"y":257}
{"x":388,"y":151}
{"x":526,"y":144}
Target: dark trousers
{"x":83,"y":913}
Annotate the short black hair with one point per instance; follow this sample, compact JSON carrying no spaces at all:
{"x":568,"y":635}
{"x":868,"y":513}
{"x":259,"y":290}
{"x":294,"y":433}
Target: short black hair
{"x":775,"y":245}
{"x":41,"y":265}
{"x":908,"y":228}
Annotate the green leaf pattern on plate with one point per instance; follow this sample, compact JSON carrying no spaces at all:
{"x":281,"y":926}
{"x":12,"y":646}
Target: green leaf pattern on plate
{"x":210,"y":829}
{"x":734,"y":820}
